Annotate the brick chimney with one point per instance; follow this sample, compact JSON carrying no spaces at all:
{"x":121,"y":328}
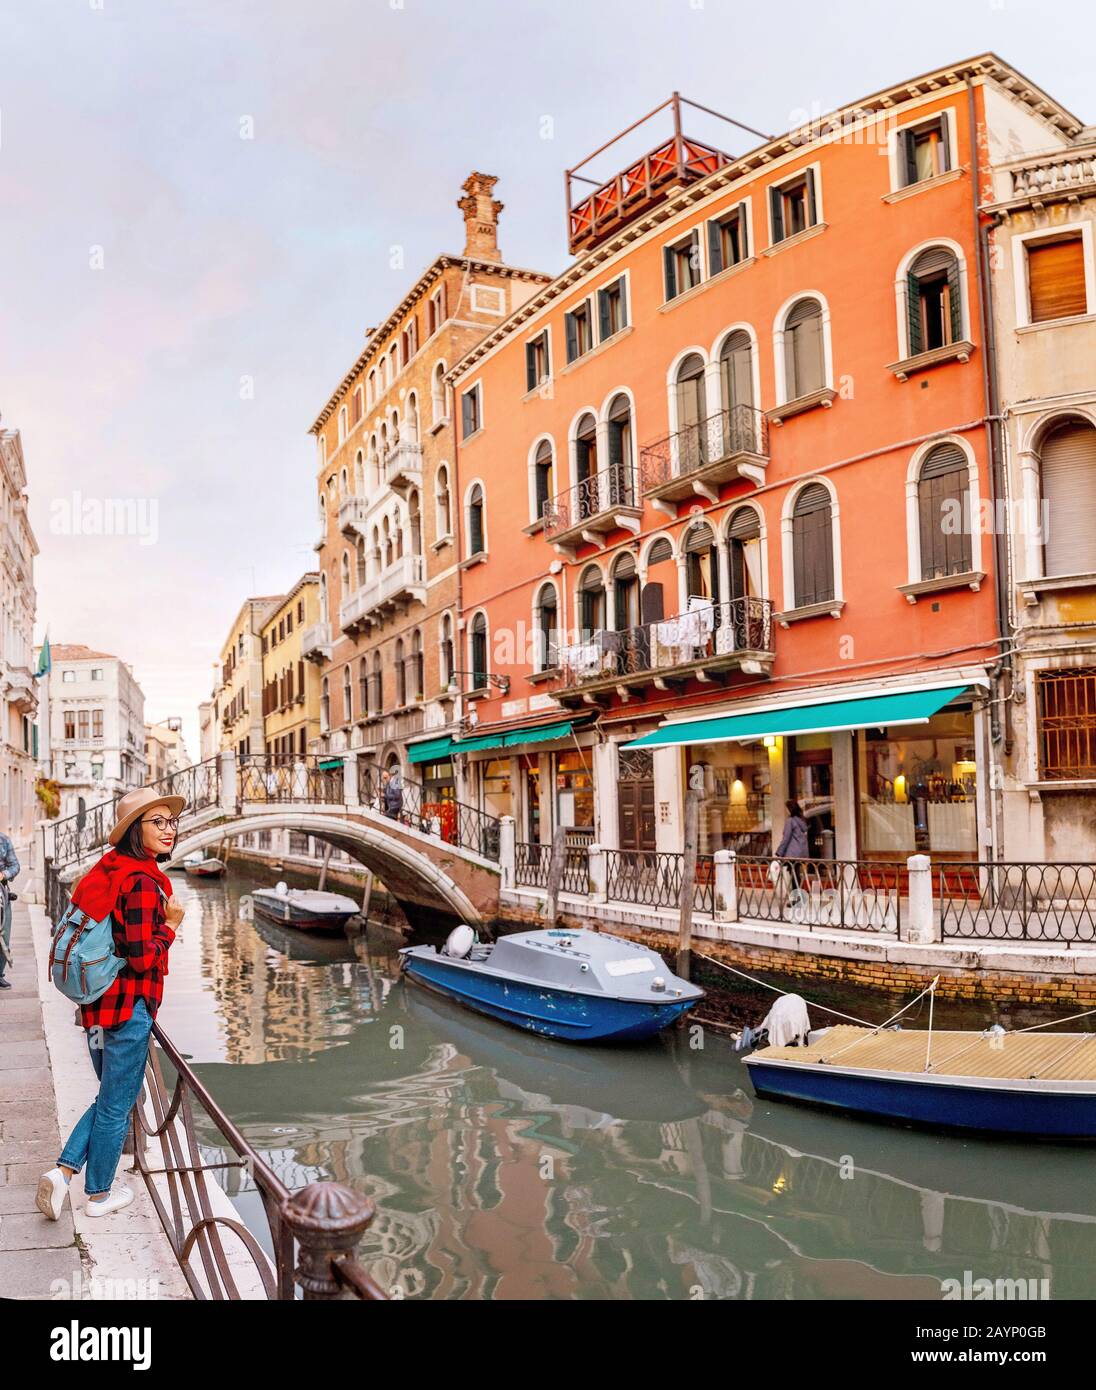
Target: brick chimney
{"x":481,"y":217}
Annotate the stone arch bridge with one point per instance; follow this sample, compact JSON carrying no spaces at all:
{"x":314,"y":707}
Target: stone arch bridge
{"x":433,"y":857}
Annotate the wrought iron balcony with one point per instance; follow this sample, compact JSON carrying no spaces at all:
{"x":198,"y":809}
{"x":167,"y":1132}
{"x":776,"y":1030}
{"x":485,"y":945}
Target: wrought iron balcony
{"x":590,"y":510}
{"x":403,"y":466}
{"x":316,"y":642}
{"x":694,"y":461}
{"x":705,"y":644}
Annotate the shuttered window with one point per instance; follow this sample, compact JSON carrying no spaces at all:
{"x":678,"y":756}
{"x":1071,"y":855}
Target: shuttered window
{"x":612,"y":309}
{"x":660,"y":551}
{"x":736,"y":370}
{"x":591,"y":600}
{"x":803,"y":355}
{"x":544,"y":468}
{"x":577,"y":331}
{"x":1056,"y":279}
{"x":479,"y":652}
{"x":924,"y":150}
{"x":547,"y":628}
{"x":475,"y":521}
{"x":1067,"y":723}
{"x":793,"y":206}
{"x":1068,"y":461}
{"x":470,"y":412}
{"x":943,"y":504}
{"x":745,"y":525}
{"x":681,"y":265}
{"x":933,"y":301}
{"x":727,"y":240}
{"x":812,"y":546}
{"x":536,"y":361}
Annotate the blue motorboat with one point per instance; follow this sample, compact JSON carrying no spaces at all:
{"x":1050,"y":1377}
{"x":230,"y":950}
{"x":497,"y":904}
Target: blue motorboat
{"x":574,"y":985}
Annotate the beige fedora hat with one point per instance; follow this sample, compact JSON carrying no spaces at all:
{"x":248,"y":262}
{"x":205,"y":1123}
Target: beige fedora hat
{"x":131,"y":805}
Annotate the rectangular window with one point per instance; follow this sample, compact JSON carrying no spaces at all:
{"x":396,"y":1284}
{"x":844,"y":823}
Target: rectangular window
{"x":68,"y":675}
{"x":97,"y":673}
{"x":681,"y":265}
{"x":83,"y":723}
{"x":471,"y":412}
{"x":1067,"y":724}
{"x":356,"y":407}
{"x":537,"y":366}
{"x":1056,"y":279}
{"x":793,"y":206}
{"x":579,"y":331}
{"x":727,"y":240}
{"x":97,"y":723}
{"x":612,"y":309}
{"x":70,"y":724}
{"x":924,"y":151}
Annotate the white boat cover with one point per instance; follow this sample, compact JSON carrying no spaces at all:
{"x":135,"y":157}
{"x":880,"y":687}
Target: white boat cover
{"x":787,"y":1020}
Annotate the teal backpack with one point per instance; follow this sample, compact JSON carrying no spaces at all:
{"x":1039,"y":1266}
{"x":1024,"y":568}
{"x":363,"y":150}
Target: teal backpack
{"x":82,"y":961}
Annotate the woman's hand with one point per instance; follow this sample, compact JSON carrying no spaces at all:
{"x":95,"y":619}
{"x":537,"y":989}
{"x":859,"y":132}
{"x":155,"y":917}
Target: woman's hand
{"x":173,"y":914}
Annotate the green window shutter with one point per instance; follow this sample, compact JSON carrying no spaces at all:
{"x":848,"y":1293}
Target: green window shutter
{"x":623,"y":302}
{"x":715,"y":248}
{"x":605,"y":327}
{"x":908,"y":155}
{"x":777,"y":210}
{"x":466,"y":414}
{"x":913,"y":315}
{"x":572,"y":337}
{"x":812,"y":204}
{"x":530,"y":367}
{"x":955,"y":297}
{"x":669,"y":271}
{"x":945,"y":143}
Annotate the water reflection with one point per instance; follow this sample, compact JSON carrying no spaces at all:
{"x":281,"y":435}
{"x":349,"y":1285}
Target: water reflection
{"x":505,"y":1166}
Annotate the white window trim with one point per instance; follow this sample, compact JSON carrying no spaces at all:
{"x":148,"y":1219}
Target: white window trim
{"x":1020,"y":269}
{"x":782,"y":397}
{"x":820,"y":215}
{"x":901,"y":292}
{"x":477,"y":389}
{"x":531,"y":471}
{"x":545,"y":332}
{"x":591,"y":312}
{"x":787,"y":547}
{"x":698,"y":230}
{"x":722,"y":216}
{"x":572,"y":440}
{"x":626,"y":276}
{"x":894,"y":165}
{"x":913,"y":517}
{"x":755,"y":362}
{"x":539,"y":662}
{"x":723,"y":540}
{"x":500,"y":300}
{"x":470,"y":631}
{"x":467,"y":511}
{"x":577,"y":599}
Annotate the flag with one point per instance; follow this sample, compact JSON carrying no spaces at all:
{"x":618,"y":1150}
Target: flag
{"x":45,"y":661}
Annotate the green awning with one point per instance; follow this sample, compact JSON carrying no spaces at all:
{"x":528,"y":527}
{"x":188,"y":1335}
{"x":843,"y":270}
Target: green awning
{"x":868,"y":712}
{"x":326,"y":764}
{"x":542,"y":733}
{"x":433,"y":750}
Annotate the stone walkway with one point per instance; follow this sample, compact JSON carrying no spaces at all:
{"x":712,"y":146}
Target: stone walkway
{"x":33,"y":1252}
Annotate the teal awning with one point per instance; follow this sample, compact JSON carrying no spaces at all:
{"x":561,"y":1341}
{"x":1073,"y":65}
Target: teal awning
{"x":434,"y":750}
{"x":868,"y":712}
{"x":326,"y":764}
{"x":542,"y":733}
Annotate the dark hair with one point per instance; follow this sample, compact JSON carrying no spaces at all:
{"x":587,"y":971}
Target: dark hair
{"x":133,"y":843}
{"x":794,"y":809}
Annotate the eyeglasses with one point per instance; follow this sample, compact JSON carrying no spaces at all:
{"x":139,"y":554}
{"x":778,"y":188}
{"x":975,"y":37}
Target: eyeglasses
{"x":162,"y":822}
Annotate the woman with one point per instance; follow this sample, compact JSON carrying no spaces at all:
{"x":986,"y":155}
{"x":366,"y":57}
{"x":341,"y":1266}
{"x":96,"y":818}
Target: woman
{"x":128,"y":884}
{"x":793,"y":844}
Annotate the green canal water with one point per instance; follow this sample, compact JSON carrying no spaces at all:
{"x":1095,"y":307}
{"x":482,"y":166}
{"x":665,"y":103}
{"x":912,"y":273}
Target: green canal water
{"x":506,"y":1167}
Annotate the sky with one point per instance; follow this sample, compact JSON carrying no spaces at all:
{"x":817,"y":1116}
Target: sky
{"x":205,"y":205}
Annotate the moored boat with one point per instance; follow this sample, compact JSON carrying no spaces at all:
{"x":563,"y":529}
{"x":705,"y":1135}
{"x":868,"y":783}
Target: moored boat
{"x":573,"y":985}
{"x":204,"y":868}
{"x":304,"y":907}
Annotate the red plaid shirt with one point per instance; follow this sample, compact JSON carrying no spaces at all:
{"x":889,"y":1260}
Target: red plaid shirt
{"x":142,"y":938}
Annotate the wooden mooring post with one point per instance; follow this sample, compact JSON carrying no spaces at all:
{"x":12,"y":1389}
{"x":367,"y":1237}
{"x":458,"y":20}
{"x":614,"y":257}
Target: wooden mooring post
{"x":555,"y":874}
{"x":688,"y":885}
{"x":323,"y":870}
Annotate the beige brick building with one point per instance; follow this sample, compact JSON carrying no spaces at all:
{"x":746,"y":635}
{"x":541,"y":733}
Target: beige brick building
{"x":238,"y":689}
{"x":291,"y":685}
{"x":391,"y":507}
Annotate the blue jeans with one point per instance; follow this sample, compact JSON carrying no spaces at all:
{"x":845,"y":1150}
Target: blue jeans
{"x":5,"y":932}
{"x":118,"y":1055}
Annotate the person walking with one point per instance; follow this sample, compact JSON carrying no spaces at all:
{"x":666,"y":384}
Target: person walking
{"x":393,"y":794}
{"x":9,"y":868}
{"x":794,"y":844}
{"x":128,"y":884}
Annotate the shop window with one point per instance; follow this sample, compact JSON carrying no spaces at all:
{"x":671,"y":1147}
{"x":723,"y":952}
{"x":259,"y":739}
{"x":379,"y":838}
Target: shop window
{"x":917,"y":788}
{"x":735,"y":795}
{"x":574,"y":791}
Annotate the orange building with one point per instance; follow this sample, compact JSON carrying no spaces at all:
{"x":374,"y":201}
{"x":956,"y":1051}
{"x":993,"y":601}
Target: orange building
{"x":721,"y":482}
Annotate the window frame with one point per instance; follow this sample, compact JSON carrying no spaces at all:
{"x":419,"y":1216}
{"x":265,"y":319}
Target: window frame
{"x":1021,"y":287}
{"x":586,"y":308}
{"x":475,"y":394}
{"x":621,"y":284}
{"x":896,"y":156}
{"x":811,"y":174}
{"x":787,"y":522}
{"x":674,"y":290}
{"x":715,"y":226}
{"x":544,"y":336}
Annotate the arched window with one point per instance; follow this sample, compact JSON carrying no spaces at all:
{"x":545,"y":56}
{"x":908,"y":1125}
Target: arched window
{"x":363,"y":687}
{"x":477,"y":535}
{"x":744,"y":554}
{"x":346,"y":587}
{"x":1068,"y":470}
{"x":348,"y":707}
{"x":415,"y":523}
{"x":736,"y":383}
{"x":359,"y":551}
{"x":447,"y":664}
{"x":691,"y":393}
{"x":546,"y":657}
{"x":943,"y":513}
{"x":342,"y":423}
{"x":626,"y":598}
{"x":442,"y":503}
{"x":323,"y":598}
{"x":415,"y":679}
{"x":371,"y":387}
{"x":378,"y":554}
{"x":378,"y":684}
{"x":325,"y":705}
{"x":437,"y":392}
{"x":701,"y":564}
{"x":934,"y":309}
{"x":479,"y":652}
{"x":397,"y":536}
{"x":591,"y":601}
{"x":586,"y":467}
{"x":374,"y":465}
{"x":389,"y":552}
{"x":544,"y":482}
{"x":804,"y":355}
{"x":659,"y":593}
{"x":411,"y":419}
{"x":621,"y":459}
{"x":344,"y":484}
{"x":359,"y":474}
{"x":812,"y":546}
{"x":401,"y":675}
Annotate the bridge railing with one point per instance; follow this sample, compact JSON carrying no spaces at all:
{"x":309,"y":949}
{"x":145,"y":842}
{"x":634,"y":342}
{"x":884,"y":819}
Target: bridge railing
{"x":410,"y":804}
{"x":272,"y":777}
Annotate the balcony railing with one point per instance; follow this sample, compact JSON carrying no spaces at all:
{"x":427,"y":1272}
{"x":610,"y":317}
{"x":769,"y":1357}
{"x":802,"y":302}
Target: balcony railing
{"x":352,"y":512}
{"x":731,"y":444}
{"x":410,"y":804}
{"x":1057,"y":176}
{"x":402,"y":582}
{"x":316,"y":642}
{"x":603,"y":502}
{"x":403,"y":465}
{"x":737,"y":632}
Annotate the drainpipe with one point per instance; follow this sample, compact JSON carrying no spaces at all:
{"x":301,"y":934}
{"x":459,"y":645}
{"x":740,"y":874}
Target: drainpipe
{"x":1001,"y":731}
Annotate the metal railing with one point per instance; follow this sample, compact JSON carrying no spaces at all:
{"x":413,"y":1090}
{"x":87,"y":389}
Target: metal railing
{"x":407,"y":802}
{"x":533,"y":861}
{"x":600,"y":492}
{"x":740,"y":429}
{"x":271,"y":777}
{"x":653,"y":878}
{"x":701,"y":634}
{"x":313,"y":1232}
{"x":1017,"y":901}
{"x":848,"y":894}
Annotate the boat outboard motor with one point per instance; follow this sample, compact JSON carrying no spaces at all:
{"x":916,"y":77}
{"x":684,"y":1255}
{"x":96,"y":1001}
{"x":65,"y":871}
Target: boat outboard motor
{"x":459,"y":942}
{"x":282,"y":888}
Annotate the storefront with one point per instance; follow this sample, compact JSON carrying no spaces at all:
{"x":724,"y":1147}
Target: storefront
{"x":573,"y":779}
{"x":735,"y":789}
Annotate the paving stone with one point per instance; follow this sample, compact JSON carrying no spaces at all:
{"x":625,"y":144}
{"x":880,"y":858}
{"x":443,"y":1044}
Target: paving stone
{"x":28,"y":1052}
{"x":16,"y":1173}
{"x":29,"y":1273}
{"x":32,"y":1231}
{"x":39,"y":1150}
{"x":20,"y":1008}
{"x":18,"y":1083}
{"x":18,"y":1197}
{"x":20,"y":1030}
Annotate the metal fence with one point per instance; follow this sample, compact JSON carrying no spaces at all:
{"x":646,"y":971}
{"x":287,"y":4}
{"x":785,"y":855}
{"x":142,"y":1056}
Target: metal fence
{"x":849,"y":894}
{"x":1017,"y":901}
{"x":651,"y":878}
{"x":409,"y":804}
{"x":600,"y":492}
{"x":273,"y":778}
{"x":532,"y":863}
{"x":741,"y":429}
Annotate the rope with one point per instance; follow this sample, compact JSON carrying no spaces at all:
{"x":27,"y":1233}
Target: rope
{"x":1057,"y":1061}
{"x":929,"y":989}
{"x":765,"y":985}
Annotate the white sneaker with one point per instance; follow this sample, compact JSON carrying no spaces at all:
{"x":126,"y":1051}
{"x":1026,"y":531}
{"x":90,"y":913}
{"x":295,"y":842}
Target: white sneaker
{"x":52,"y":1194}
{"x":118,"y":1197}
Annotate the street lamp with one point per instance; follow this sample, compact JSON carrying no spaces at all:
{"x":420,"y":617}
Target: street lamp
{"x":503,"y":682}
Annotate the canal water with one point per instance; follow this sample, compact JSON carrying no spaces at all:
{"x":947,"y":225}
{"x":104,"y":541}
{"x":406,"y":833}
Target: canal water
{"x":507,"y":1167}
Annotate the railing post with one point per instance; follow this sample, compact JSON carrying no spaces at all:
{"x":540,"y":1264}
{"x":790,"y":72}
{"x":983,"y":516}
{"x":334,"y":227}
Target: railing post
{"x":229,"y":787}
{"x":507,"y":851}
{"x":327,"y":1219}
{"x":921,"y":926}
{"x":726,"y":885}
{"x":598,"y":870}
{"x":350,"y":779}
